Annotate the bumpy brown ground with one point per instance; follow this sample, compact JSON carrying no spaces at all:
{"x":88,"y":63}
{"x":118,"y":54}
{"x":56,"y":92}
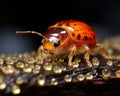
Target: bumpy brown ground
{"x":24,"y":74}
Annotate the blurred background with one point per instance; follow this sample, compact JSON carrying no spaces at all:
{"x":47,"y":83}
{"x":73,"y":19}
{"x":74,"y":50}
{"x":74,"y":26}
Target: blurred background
{"x":38,"y":15}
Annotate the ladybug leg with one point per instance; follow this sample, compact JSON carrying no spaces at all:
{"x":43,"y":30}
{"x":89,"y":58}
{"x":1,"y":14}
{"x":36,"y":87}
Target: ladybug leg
{"x":40,"y":53}
{"x":87,"y":56}
{"x":102,"y":50}
{"x":72,"y":53}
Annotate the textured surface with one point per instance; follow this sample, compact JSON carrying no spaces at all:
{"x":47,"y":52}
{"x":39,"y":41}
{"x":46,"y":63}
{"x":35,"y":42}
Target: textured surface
{"x":25,"y":74}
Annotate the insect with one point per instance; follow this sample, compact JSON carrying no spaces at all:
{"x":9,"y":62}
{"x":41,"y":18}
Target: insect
{"x":68,"y":38}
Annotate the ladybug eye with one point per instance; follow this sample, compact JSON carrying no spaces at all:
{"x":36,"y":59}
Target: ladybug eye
{"x":56,"y":43}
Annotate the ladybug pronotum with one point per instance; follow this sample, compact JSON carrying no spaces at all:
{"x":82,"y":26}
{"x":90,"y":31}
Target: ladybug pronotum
{"x":68,"y":38}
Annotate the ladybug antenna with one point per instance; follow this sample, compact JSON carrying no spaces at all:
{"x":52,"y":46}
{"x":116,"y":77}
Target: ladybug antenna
{"x":32,"y":32}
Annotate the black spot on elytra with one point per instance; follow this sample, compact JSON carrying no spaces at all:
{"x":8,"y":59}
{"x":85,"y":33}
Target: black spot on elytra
{"x":78,"y":37}
{"x":77,"y":30}
{"x":73,"y":34}
{"x":85,"y":38}
{"x":84,"y":32}
{"x":75,"y":24}
{"x":59,"y":25}
{"x":67,"y":24}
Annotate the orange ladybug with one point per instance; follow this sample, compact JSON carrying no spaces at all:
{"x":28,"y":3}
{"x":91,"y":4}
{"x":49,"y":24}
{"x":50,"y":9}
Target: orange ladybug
{"x":70,"y":38}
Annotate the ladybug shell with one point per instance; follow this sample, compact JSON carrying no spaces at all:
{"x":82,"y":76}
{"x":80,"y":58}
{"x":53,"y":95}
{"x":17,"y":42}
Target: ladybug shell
{"x":71,"y":32}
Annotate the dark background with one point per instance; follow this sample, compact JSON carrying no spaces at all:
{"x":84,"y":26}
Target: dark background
{"x":37,"y":15}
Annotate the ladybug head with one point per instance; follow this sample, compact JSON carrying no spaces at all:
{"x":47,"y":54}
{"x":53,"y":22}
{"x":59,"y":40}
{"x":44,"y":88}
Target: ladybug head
{"x":53,"y":38}
{"x":56,"y":37}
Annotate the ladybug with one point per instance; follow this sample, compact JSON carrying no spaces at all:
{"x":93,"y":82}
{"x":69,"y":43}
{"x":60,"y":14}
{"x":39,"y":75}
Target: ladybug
{"x":68,"y":38}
